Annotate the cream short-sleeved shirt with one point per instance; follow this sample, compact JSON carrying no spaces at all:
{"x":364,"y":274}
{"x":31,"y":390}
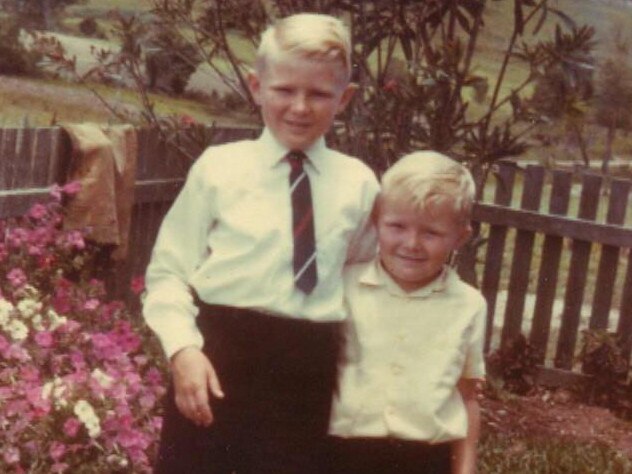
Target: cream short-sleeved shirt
{"x":404,"y":354}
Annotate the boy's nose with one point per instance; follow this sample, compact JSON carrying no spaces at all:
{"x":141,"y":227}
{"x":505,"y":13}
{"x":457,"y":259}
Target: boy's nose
{"x":300,"y":103}
{"x":414,"y":241}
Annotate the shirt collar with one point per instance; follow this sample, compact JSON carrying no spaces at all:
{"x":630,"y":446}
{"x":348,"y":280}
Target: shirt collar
{"x":375,"y":275}
{"x":273,"y":151}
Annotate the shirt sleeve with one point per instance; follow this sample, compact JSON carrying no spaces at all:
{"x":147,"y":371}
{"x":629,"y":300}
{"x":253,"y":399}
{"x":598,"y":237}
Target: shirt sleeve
{"x":181,"y":246}
{"x":474,"y":367}
{"x":363,"y":243}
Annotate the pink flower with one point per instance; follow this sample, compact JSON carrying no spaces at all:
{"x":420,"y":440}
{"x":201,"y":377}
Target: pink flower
{"x":91,"y":304}
{"x":71,"y":427}
{"x":38,"y":211}
{"x":55,"y":192}
{"x":75,"y":239}
{"x":44,"y":339}
{"x":11,"y":455}
{"x":16,"y":277}
{"x":71,"y":188}
{"x":138,"y":284}
{"x":57,"y":450}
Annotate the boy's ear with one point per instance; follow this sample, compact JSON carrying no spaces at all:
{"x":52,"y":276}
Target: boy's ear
{"x":347,"y":94}
{"x":254,"y":84}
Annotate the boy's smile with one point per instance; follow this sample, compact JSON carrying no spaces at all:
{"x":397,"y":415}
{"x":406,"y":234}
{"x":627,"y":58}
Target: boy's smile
{"x":299,"y":98}
{"x":415,"y":244}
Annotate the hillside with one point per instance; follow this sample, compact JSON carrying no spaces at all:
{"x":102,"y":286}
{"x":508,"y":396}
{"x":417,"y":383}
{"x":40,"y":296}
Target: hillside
{"x":41,"y":100}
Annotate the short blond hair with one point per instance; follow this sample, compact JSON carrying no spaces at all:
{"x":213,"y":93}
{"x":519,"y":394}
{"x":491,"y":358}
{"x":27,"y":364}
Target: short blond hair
{"x":425,"y":178}
{"x":307,"y":35}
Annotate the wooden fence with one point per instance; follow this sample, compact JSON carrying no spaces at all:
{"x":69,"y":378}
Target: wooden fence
{"x":555,"y":260}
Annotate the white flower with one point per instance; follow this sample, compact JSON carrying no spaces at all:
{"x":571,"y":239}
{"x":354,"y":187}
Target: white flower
{"x":56,"y":320}
{"x":37,"y":323}
{"x":17,"y":330}
{"x":56,"y":391}
{"x":29,"y":307}
{"x":5,"y":311}
{"x":88,"y":417}
{"x":102,"y":378}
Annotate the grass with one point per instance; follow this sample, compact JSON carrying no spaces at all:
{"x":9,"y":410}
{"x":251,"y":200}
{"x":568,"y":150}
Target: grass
{"x":38,"y":102}
{"x":519,"y":455}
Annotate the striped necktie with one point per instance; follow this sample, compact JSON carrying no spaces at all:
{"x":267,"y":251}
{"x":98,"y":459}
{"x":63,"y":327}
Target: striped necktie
{"x":305,"y":271}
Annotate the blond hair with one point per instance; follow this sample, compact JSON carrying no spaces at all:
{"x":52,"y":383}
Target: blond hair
{"x":307,"y":35}
{"x":426,"y":178}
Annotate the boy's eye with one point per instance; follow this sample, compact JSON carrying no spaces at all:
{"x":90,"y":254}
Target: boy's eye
{"x":283,"y":90}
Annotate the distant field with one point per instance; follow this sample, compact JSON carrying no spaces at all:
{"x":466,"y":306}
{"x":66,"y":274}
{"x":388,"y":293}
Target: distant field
{"x":52,"y":97}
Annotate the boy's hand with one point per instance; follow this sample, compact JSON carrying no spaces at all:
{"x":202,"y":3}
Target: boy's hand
{"x":194,"y":378}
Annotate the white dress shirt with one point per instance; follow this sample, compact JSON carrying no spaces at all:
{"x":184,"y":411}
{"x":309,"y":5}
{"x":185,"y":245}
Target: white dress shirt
{"x":228,"y":237}
{"x":405,"y":353}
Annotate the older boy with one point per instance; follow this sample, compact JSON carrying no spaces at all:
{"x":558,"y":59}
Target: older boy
{"x":407,"y":398}
{"x":256,"y":242}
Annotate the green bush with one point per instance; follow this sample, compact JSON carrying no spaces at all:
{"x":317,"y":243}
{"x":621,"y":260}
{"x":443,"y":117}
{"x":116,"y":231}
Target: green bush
{"x":548,"y":456}
{"x":15,"y":59}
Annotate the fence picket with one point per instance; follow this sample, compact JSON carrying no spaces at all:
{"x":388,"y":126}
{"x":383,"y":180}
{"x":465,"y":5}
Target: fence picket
{"x":495,"y":248}
{"x":9,"y":157}
{"x":523,"y":252}
{"x":608,"y":263}
{"x":549,"y":266}
{"x":624,"y":327}
{"x":577,"y":274}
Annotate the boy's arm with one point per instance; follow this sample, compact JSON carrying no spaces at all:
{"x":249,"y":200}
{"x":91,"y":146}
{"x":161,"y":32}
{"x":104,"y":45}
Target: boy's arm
{"x":181,"y":246}
{"x":363,"y":243}
{"x":464,"y":450}
{"x":169,"y":309}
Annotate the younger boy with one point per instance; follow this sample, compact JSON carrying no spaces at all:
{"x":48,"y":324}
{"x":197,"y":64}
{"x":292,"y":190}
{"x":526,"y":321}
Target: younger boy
{"x":244,"y":285}
{"x":413,"y":358}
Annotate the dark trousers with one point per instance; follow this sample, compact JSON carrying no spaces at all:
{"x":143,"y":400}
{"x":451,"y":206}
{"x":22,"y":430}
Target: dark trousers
{"x":387,"y":456}
{"x":278,"y":376}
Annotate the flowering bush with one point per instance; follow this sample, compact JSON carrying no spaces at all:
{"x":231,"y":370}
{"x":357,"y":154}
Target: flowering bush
{"x":79,"y":384}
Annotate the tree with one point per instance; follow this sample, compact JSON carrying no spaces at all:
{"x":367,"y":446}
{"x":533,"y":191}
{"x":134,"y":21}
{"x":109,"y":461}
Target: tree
{"x":36,"y":14}
{"x":564,"y":89}
{"x":613,"y":99}
{"x":413,"y":59}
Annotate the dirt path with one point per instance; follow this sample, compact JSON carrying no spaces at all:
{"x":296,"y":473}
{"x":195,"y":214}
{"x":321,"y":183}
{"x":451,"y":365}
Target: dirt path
{"x":556,"y":415}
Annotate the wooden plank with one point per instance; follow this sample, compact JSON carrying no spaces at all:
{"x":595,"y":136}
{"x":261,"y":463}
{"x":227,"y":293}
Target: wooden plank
{"x":16,"y":202}
{"x":522,"y":255}
{"x":577,"y":275}
{"x":624,"y":326}
{"x":22,"y":177}
{"x":41,"y":156}
{"x":609,"y":260}
{"x":495,"y":249}
{"x":573,"y":228}
{"x":549,"y":266}
{"x":157,"y":190}
{"x":8,"y":154}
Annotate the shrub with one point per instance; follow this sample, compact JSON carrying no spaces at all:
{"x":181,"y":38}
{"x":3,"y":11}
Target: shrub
{"x":78,"y":383}
{"x":15,"y":58}
{"x":515,"y":364}
{"x":89,"y":26}
{"x":603,"y":360}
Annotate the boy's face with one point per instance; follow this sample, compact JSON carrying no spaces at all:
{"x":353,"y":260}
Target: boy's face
{"x":414,"y":245}
{"x":299,"y":98}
